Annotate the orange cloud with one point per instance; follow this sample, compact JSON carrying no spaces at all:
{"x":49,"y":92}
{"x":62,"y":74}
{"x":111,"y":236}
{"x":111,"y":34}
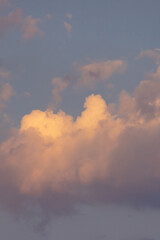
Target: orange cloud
{"x":52,"y":152}
{"x":55,"y":162}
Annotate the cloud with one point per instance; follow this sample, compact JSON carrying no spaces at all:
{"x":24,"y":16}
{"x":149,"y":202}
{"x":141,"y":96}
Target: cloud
{"x":59,"y":86}
{"x":48,"y":16}
{"x":54,"y":162}
{"x":30,"y":27}
{"x":153,"y":54}
{"x":90,"y":74}
{"x":12,"y":20}
{"x":6,"y":90}
{"x":145,"y":100}
{"x":99,"y":72}
{"x":4,"y":3}
{"x":69,"y":15}
{"x":68,"y":27}
{"x":28,"y":94}
{"x":4,"y":74}
{"x":51,"y":159}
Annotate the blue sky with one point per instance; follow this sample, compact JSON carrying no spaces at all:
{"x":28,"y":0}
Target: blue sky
{"x":102,"y":162}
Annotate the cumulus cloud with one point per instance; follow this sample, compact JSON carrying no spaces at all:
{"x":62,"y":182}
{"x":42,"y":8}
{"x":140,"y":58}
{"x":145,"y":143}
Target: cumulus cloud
{"x":54,"y":162}
{"x":99,"y":71}
{"x":52,"y":159}
{"x":68,"y":27}
{"x":30,"y":27}
{"x":145,"y":100}
{"x":12,"y":20}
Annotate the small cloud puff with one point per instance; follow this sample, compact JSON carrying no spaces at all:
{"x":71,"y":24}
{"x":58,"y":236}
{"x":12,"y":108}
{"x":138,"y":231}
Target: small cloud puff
{"x":69,"y":15}
{"x":68,"y":27}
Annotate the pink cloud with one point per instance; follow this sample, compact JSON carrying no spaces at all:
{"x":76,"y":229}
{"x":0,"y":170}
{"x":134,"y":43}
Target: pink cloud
{"x":95,"y":72}
{"x":6,"y":90}
{"x":55,"y":161}
{"x":4,"y":3}
{"x":59,"y":85}
{"x":145,"y":100}
{"x":30,"y":27}
{"x":7,"y":23}
{"x":153,"y":54}
{"x":69,"y":15}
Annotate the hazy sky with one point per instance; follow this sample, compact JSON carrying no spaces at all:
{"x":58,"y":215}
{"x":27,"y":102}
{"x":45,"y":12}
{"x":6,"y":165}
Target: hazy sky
{"x":79,"y":119}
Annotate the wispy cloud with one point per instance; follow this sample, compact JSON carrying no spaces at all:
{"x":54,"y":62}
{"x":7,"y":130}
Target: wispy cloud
{"x":153,"y":54}
{"x":59,"y":85}
{"x":101,"y":71}
{"x":12,"y":20}
{"x":68,"y":27}
{"x":6,"y":90}
{"x":69,"y":15}
{"x":30,"y":27}
{"x":4,"y":3}
{"x":48,"y":16}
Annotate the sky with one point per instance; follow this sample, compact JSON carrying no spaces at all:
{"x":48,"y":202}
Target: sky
{"x":79,"y":120}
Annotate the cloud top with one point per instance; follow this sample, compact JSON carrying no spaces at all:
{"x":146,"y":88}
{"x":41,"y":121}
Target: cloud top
{"x":54,"y":162}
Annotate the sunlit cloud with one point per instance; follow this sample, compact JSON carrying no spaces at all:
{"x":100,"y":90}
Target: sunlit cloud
{"x":56,"y":162}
